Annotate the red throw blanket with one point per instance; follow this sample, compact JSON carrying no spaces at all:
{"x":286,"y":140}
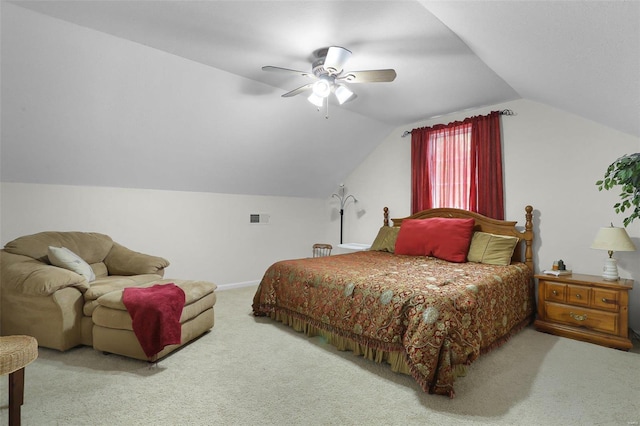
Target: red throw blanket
{"x":155,"y":315}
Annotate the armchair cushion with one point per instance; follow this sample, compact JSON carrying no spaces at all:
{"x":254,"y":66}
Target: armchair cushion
{"x":90,"y":246}
{"x":123,"y":261}
{"x":32,"y":277}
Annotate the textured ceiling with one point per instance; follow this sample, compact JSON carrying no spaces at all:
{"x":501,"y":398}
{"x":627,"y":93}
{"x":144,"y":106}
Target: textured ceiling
{"x":581,"y":56}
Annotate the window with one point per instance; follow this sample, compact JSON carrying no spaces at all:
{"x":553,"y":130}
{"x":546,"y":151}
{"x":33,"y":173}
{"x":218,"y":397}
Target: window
{"x":450,"y":167}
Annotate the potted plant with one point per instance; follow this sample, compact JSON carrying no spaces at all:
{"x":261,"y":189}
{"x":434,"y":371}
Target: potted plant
{"x":625,"y":172}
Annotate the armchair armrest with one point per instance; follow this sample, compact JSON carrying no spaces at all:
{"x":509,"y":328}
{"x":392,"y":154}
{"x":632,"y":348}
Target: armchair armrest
{"x":32,"y":277}
{"x":122,"y":261}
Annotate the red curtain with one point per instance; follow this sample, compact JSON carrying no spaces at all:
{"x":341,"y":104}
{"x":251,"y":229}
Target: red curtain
{"x":472,"y":148}
{"x":486,"y":140}
{"x":420,"y":186}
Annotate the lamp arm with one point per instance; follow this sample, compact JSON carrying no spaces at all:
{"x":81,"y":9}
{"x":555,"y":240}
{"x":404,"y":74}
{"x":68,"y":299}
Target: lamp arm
{"x":343,"y":199}
{"x":350,"y":196}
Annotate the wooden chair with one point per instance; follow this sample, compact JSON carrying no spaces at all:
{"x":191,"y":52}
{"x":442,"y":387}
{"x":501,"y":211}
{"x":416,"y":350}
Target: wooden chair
{"x":320,"y":250}
{"x":16,"y":352}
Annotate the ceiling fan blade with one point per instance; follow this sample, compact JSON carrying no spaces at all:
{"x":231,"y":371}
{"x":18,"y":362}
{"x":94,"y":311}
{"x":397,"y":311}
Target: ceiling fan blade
{"x":279,"y":69}
{"x":336,"y":58}
{"x":298,"y":90}
{"x":369,"y":76}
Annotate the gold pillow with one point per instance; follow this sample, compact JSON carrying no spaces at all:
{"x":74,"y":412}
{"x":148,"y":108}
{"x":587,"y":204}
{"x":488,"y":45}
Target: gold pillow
{"x":386,"y":239}
{"x":491,"y":249}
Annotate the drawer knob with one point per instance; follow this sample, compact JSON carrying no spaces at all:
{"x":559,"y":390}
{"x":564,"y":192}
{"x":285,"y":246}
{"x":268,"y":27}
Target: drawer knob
{"x":555,"y":293}
{"x":578,"y":317}
{"x":605,"y":300}
{"x":578,"y":296}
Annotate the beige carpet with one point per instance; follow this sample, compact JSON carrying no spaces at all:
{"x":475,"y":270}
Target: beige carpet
{"x":250,"y":371}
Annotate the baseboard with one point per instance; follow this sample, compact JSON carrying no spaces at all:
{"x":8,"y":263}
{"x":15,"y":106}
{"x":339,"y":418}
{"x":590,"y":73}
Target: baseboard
{"x":230,"y":286}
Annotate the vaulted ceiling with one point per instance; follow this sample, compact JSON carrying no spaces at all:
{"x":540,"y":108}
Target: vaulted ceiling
{"x":581,"y":56}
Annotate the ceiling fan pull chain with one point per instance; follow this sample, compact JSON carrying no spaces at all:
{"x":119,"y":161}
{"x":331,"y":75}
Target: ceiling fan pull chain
{"x":327,"y":111}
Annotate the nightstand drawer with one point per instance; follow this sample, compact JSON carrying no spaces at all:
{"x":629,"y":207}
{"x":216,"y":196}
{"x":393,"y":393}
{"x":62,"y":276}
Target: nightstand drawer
{"x":605,"y":322}
{"x":555,"y":292}
{"x":578,"y":295}
{"x":606,"y":299}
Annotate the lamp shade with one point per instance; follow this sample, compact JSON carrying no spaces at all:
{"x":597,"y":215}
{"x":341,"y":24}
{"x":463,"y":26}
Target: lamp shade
{"x":316,"y":100}
{"x":322,"y":88}
{"x":613,"y":239}
{"x":343,"y":94}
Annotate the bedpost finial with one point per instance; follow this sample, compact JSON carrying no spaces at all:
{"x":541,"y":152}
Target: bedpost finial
{"x":386,"y":216}
{"x":529,"y":217}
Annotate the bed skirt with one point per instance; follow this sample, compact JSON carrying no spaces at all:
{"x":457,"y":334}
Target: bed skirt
{"x":397,"y":360}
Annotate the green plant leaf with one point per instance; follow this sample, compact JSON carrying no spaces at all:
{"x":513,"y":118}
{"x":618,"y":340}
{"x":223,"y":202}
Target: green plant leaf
{"x":624,"y":172}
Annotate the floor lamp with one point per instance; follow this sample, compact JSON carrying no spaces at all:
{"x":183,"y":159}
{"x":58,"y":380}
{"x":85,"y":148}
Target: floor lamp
{"x":343,"y":200}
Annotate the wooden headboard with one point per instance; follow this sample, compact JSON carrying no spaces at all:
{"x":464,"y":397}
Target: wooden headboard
{"x":524,"y":250}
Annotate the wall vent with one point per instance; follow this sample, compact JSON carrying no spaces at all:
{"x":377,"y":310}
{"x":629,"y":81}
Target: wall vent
{"x":259,"y":218}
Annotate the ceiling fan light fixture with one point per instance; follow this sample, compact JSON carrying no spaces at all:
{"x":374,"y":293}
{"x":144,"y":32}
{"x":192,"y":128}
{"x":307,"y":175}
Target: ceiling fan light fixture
{"x":343,"y":94}
{"x":336,"y":58}
{"x":322,"y":88}
{"x":316,"y":100}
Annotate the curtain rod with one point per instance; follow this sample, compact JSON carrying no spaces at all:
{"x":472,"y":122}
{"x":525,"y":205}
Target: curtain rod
{"x":502,"y":112}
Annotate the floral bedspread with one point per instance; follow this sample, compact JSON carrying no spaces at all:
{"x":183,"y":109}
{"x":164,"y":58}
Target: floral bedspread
{"x":438,"y":314}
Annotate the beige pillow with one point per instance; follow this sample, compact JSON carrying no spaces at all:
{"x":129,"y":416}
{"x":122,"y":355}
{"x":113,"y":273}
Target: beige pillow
{"x":65,"y":258}
{"x":491,"y":249}
{"x":386,"y":239}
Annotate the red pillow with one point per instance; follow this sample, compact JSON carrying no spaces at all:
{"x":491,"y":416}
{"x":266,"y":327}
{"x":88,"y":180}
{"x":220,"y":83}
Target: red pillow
{"x":444,"y":238}
{"x":411,"y":237}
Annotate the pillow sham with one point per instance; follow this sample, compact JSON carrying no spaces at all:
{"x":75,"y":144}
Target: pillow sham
{"x":62,"y":257}
{"x":444,"y":238}
{"x":491,"y":249}
{"x":386,"y":239}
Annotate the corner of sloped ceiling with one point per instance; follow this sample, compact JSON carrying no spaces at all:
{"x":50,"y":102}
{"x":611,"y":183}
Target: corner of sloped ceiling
{"x":81,"y":107}
{"x":581,"y":57}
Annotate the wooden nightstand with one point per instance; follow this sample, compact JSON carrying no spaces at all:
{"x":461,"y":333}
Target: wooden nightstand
{"x":585,"y":307}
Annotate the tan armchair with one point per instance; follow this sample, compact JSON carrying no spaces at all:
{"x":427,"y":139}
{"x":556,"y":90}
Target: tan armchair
{"x":48,"y":302}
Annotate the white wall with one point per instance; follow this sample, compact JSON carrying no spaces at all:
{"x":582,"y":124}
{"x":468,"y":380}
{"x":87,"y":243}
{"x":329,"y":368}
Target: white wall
{"x":552,"y":160}
{"x":205,"y":236}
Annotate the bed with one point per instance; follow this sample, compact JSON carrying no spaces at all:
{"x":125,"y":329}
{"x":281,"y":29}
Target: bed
{"x":424,"y":313}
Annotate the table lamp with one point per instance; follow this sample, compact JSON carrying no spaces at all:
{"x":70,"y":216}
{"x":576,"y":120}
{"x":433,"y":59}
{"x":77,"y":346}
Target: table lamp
{"x":612,"y":239}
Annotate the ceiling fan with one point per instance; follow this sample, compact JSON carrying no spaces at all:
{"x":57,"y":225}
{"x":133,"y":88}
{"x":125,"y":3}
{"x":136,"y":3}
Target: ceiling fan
{"x":329,"y":76}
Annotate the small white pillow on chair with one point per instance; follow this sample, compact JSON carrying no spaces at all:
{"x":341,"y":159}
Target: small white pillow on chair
{"x":65,"y":258}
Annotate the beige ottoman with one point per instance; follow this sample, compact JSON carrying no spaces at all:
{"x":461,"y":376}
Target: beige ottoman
{"x":113,"y":331}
